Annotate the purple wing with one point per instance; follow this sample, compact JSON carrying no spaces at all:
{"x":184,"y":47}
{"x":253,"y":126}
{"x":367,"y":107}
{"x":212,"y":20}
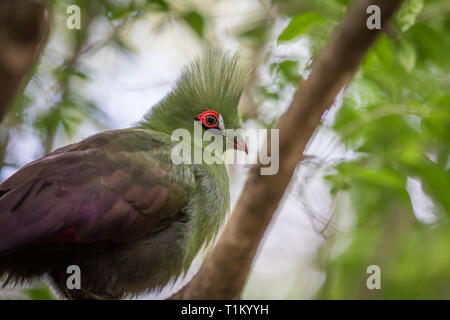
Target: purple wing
{"x":108,"y":188}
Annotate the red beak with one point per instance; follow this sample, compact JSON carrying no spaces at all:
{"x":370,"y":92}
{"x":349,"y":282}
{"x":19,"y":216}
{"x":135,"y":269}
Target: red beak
{"x":239,"y":144}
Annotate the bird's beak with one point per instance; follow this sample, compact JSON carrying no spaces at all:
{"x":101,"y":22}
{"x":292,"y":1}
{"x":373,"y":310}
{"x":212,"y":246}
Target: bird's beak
{"x":239,"y":144}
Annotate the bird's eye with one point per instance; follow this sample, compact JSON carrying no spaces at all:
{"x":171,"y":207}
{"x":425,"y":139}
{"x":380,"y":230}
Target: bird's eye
{"x":211,"y":120}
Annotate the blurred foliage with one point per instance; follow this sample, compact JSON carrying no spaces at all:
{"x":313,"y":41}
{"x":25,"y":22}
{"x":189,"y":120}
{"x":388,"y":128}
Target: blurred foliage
{"x":394,"y":117}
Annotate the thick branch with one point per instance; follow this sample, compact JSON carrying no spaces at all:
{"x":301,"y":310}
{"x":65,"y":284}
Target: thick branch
{"x":24,"y":27}
{"x":224,"y":272}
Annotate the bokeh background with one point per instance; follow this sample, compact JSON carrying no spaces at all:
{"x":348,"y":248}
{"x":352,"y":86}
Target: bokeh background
{"x":374,"y":188}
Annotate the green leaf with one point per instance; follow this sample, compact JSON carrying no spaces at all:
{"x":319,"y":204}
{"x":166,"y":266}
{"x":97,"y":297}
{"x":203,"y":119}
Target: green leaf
{"x":407,"y":55}
{"x":408,"y":13}
{"x":62,"y":73}
{"x":289,"y":69}
{"x":48,"y":121}
{"x":385,"y":178}
{"x":383,"y":51}
{"x":299,"y":25}
{"x":158,"y":5}
{"x":255,"y":33}
{"x":196,"y":22}
{"x":71,"y":118}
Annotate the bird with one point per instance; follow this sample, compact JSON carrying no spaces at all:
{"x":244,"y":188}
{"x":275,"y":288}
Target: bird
{"x":115,"y":204}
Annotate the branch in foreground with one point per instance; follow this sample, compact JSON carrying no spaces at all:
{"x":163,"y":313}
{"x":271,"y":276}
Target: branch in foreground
{"x":24,"y":27}
{"x":224,"y":271}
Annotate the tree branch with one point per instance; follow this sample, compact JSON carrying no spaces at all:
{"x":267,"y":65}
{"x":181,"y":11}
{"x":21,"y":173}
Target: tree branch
{"x":224,"y":271}
{"x":24,"y":28}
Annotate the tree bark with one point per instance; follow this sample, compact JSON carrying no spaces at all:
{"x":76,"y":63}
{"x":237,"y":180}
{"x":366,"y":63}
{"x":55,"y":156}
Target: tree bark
{"x":24,"y":28}
{"x":224,"y":271}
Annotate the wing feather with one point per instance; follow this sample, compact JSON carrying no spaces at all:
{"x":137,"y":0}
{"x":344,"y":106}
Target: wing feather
{"x":117,"y":186}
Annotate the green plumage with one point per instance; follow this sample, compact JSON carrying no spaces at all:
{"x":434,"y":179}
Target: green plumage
{"x":115,"y":204}
{"x":214,"y":82}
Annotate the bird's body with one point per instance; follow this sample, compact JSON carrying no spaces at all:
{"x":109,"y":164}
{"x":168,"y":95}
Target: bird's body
{"x":115,"y":205}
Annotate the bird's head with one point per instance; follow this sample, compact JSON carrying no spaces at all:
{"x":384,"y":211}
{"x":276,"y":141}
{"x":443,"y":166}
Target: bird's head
{"x":207,"y":94}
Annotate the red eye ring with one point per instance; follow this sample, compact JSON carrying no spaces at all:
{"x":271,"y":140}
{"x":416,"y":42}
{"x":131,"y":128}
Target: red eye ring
{"x":209,"y":118}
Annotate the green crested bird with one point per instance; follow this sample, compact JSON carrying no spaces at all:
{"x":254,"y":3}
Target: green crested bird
{"x":115,"y":205}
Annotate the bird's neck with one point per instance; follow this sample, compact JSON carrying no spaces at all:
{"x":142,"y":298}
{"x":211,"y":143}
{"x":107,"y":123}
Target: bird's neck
{"x":210,"y":204}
